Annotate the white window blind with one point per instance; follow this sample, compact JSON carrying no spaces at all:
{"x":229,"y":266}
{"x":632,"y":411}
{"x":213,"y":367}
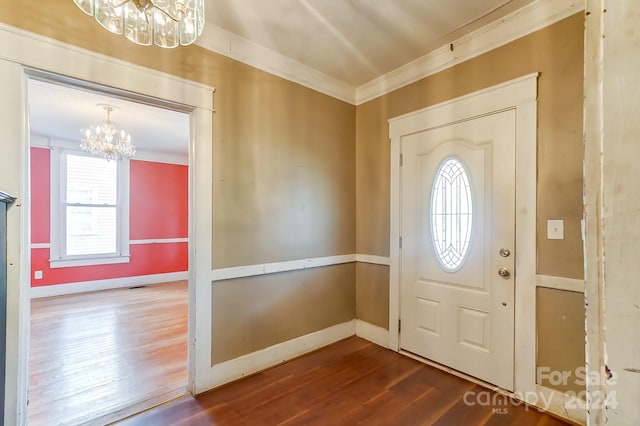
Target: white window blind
{"x":90,"y":205}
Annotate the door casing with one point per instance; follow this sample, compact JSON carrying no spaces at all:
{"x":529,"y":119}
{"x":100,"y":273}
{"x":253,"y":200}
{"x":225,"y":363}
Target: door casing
{"x":519,"y":94}
{"x":21,"y":54}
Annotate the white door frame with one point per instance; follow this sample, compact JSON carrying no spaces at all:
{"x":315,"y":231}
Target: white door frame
{"x":519,"y":94}
{"x":21,"y":51}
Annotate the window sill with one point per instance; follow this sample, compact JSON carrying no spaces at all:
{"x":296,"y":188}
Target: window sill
{"x":93,"y":261}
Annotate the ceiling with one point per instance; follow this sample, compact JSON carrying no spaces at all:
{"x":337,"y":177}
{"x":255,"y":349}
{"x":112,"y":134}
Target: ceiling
{"x":350,"y":41}
{"x":354,"y":41}
{"x":63,"y":112}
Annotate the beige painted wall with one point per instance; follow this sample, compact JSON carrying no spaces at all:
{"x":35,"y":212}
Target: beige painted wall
{"x":284,"y":181}
{"x":254,"y":313}
{"x":555,"y":52}
{"x":560,"y":318}
{"x":283,"y":178}
{"x":372,"y":294}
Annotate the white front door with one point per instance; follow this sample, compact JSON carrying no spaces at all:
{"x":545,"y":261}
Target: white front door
{"x":457,"y":256}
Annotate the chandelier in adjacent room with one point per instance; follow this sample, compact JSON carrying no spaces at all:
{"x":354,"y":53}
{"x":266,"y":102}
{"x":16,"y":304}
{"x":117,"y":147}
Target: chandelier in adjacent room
{"x":106,"y":141}
{"x":166,"y":23}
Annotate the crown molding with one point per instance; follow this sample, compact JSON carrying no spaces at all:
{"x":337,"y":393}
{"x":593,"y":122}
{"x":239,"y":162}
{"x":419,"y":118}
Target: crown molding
{"x":235,"y":47}
{"x":531,"y":18}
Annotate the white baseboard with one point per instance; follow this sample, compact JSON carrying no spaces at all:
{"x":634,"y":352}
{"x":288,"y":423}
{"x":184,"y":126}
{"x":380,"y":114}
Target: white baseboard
{"x":245,"y":365}
{"x":85,"y":286}
{"x":372,"y":333}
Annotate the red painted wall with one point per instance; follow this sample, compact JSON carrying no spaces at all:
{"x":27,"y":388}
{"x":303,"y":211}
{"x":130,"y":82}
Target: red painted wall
{"x":158,"y":210}
{"x":40,"y":195}
{"x":159,"y":200}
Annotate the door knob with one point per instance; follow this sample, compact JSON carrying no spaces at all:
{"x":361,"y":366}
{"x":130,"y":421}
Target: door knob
{"x":504,"y":272}
{"x":504,"y":252}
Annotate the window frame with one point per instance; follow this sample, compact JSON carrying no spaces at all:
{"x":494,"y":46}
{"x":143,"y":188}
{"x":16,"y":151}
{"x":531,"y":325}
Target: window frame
{"x":58,"y":259}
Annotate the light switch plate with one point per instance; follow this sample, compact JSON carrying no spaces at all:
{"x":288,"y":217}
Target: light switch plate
{"x":37,"y":275}
{"x":555,"y":229}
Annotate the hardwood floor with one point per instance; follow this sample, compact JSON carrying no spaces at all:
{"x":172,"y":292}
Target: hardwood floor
{"x":348,"y":383}
{"x":97,"y":355}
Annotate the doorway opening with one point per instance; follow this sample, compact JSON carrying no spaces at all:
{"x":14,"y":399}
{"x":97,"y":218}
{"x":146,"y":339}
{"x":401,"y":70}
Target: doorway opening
{"x":109,"y":250}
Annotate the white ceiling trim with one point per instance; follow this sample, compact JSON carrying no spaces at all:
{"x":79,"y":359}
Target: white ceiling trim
{"x":43,"y":141}
{"x":162,"y":157}
{"x":233,"y":46}
{"x":527,"y":20}
{"x":530,"y":18}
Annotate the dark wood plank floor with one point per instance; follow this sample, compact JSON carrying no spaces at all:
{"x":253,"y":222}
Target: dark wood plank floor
{"x":100,"y":356}
{"x":348,"y":383}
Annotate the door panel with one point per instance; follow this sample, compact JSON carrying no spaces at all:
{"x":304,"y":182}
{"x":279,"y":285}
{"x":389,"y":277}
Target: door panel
{"x":455,"y":307}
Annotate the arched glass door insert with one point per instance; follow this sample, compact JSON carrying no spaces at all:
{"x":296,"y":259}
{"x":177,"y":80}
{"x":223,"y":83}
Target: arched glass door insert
{"x":451,"y":214}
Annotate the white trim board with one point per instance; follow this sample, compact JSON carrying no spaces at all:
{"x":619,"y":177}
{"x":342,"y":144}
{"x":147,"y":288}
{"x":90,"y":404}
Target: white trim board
{"x":293,"y":265}
{"x":520,"y":23}
{"x":108,"y":284}
{"x":245,"y":365}
{"x":519,"y":94}
{"x":159,"y":241}
{"x":26,"y":48}
{"x":376,"y":260}
{"x":560,"y":283}
{"x":272,"y":268}
{"x":35,"y":246}
{"x":161,"y":157}
{"x":38,"y":246}
{"x":372,"y":333}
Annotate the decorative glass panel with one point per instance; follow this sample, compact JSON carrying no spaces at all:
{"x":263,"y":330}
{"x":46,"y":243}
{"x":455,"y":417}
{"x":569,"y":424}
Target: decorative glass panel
{"x":451,"y":214}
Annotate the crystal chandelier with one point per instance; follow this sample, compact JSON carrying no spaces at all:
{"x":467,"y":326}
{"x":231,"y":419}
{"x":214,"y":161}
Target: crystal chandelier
{"x":105,"y":141}
{"x":167,"y":23}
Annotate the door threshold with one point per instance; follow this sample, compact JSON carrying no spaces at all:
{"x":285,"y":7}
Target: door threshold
{"x":457,"y":373}
{"x":487,"y":385}
{"x":139,"y":407}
